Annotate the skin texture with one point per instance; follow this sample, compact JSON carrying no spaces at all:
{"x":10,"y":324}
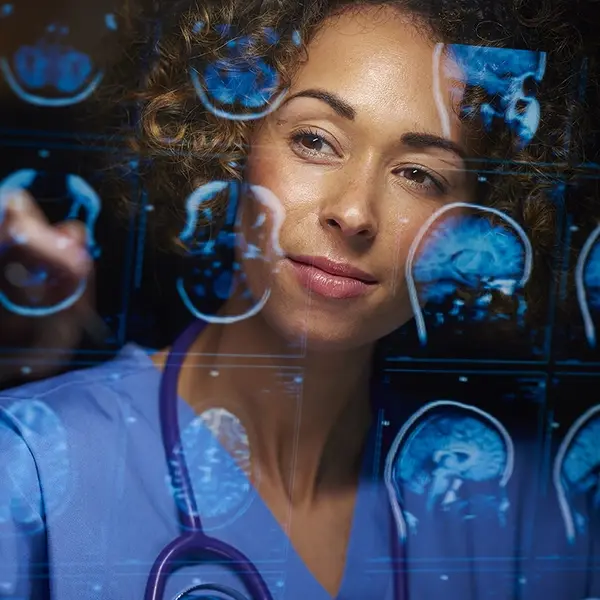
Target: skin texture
{"x":352,"y":196}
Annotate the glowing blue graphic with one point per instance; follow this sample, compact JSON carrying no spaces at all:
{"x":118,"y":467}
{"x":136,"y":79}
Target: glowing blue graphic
{"x":84,"y":200}
{"x":212,"y":277}
{"x":587,"y":283}
{"x":466,"y":251}
{"x":50,"y":72}
{"x":225,"y":592}
{"x":217,"y":453}
{"x":240,"y":80}
{"x":577,"y":473}
{"x":434,"y":455}
{"x":503,"y":73}
{"x":38,"y":426}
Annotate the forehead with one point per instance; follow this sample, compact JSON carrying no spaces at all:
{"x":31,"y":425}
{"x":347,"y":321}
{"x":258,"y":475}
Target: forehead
{"x":382,"y":64}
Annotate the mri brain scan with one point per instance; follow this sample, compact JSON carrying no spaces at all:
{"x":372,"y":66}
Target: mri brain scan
{"x":459,"y":260}
{"x":52,"y":61}
{"x":37,"y":425}
{"x":587,"y":282}
{"x":577,"y":474}
{"x":25,"y":286}
{"x":509,"y":77}
{"x":441,"y":456}
{"x":217,"y":453}
{"x":213,"y":276}
{"x":242,"y":85}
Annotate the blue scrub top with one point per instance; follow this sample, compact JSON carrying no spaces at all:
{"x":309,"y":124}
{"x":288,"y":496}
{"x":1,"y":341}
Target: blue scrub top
{"x":87,"y":504}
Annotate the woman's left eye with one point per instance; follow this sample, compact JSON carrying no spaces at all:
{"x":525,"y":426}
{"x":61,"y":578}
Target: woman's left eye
{"x":422,"y":179}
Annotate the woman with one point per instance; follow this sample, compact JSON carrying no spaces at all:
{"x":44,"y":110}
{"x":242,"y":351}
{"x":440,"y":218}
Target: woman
{"x":365,"y":146}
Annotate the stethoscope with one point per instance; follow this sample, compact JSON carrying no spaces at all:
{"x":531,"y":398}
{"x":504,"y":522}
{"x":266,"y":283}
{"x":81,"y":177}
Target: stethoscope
{"x":194,"y":543}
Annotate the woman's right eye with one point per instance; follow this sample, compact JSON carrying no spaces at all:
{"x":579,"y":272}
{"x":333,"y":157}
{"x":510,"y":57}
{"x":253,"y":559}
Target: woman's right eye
{"x":311,"y":143}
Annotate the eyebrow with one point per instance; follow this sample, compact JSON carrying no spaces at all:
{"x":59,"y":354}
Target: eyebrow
{"x":413,"y":139}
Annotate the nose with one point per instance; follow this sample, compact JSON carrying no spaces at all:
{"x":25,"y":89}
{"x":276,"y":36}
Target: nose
{"x":351,"y":211}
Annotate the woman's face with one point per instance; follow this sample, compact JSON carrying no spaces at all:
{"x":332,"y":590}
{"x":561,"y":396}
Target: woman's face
{"x":359,"y":157}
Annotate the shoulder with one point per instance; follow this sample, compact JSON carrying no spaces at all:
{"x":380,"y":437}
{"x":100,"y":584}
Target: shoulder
{"x":84,"y":398}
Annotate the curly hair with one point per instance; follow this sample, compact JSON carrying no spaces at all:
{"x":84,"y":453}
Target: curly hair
{"x":182,"y":145}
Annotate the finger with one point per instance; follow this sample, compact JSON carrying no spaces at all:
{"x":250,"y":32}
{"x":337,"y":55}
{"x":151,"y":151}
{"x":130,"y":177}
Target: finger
{"x":25,"y":229}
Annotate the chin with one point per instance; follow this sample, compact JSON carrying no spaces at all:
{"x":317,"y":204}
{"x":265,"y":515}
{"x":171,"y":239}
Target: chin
{"x":314,"y":329}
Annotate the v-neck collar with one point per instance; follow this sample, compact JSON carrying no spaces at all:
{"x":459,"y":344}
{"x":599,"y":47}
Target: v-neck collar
{"x":370,"y":533}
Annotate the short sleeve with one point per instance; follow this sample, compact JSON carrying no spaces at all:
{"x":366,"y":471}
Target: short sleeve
{"x":23,"y":563}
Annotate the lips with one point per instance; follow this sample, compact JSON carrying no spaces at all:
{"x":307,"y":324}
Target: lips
{"x":331,"y":279}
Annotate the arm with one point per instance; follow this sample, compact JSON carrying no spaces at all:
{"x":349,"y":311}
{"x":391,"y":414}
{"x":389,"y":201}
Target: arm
{"x":23,"y":557}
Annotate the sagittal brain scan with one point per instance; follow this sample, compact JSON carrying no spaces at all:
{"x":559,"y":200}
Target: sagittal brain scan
{"x":25,"y":286}
{"x":577,"y":474}
{"x":216,"y":450}
{"x":460,"y":261}
{"x":241,"y":85}
{"x":49,"y":57}
{"x":36,"y":424}
{"x":442,"y":449}
{"x":587,"y":282}
{"x":509,"y":77}
{"x":213,"y":275}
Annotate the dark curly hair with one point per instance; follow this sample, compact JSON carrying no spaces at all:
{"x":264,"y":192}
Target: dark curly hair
{"x":181,"y":145}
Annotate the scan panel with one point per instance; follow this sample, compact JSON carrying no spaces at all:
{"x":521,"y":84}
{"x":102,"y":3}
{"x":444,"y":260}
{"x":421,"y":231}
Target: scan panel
{"x":67,"y":183}
{"x":576,"y":333}
{"x":570,"y":492}
{"x":468,"y":273}
{"x":54,"y":60}
{"x":509,"y":77}
{"x":229,"y":229}
{"x":460,"y":458}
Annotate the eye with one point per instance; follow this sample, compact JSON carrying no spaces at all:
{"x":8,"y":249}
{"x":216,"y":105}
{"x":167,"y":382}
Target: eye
{"x":311,"y":143}
{"x":423,"y":180}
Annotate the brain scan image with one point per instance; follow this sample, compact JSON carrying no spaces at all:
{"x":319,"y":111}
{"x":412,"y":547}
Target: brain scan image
{"x":217,"y":454}
{"x":460,"y":262}
{"x":37,"y":424}
{"x":25,"y":286}
{"x":509,"y":77}
{"x":577,"y":474}
{"x":214,"y":277}
{"x":587,"y":282}
{"x":455,"y":459}
{"x":242,"y":85}
{"x":49,"y":59}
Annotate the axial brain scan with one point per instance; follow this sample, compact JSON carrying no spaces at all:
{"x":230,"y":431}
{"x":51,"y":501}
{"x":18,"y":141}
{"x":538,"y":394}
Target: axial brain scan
{"x":25,"y":286}
{"x":51,"y":59}
{"x":212,"y":276}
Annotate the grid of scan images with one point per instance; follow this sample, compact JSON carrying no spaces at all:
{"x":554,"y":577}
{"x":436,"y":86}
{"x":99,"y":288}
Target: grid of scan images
{"x":458,"y":388}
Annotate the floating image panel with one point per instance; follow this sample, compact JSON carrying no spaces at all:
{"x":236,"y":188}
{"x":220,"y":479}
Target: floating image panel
{"x":54,"y":59}
{"x":67,"y":184}
{"x":468,"y":273}
{"x":565,"y":555}
{"x":460,"y":458}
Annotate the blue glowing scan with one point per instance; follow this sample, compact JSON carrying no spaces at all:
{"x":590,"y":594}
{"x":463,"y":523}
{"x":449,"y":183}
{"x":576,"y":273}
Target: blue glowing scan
{"x":37,"y":425}
{"x":509,"y":77}
{"x":26,"y":285}
{"x":577,"y":474}
{"x":457,"y":263}
{"x":51,"y":70}
{"x":441,"y":455}
{"x":241,"y":86}
{"x":587,"y":284}
{"x":217,"y":453}
{"x":251,"y":230}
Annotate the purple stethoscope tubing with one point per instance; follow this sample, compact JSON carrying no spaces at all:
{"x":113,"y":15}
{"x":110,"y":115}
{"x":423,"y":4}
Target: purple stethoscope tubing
{"x":193,"y":540}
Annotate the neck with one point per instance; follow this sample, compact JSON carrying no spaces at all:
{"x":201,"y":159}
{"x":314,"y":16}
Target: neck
{"x":305,"y":442}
